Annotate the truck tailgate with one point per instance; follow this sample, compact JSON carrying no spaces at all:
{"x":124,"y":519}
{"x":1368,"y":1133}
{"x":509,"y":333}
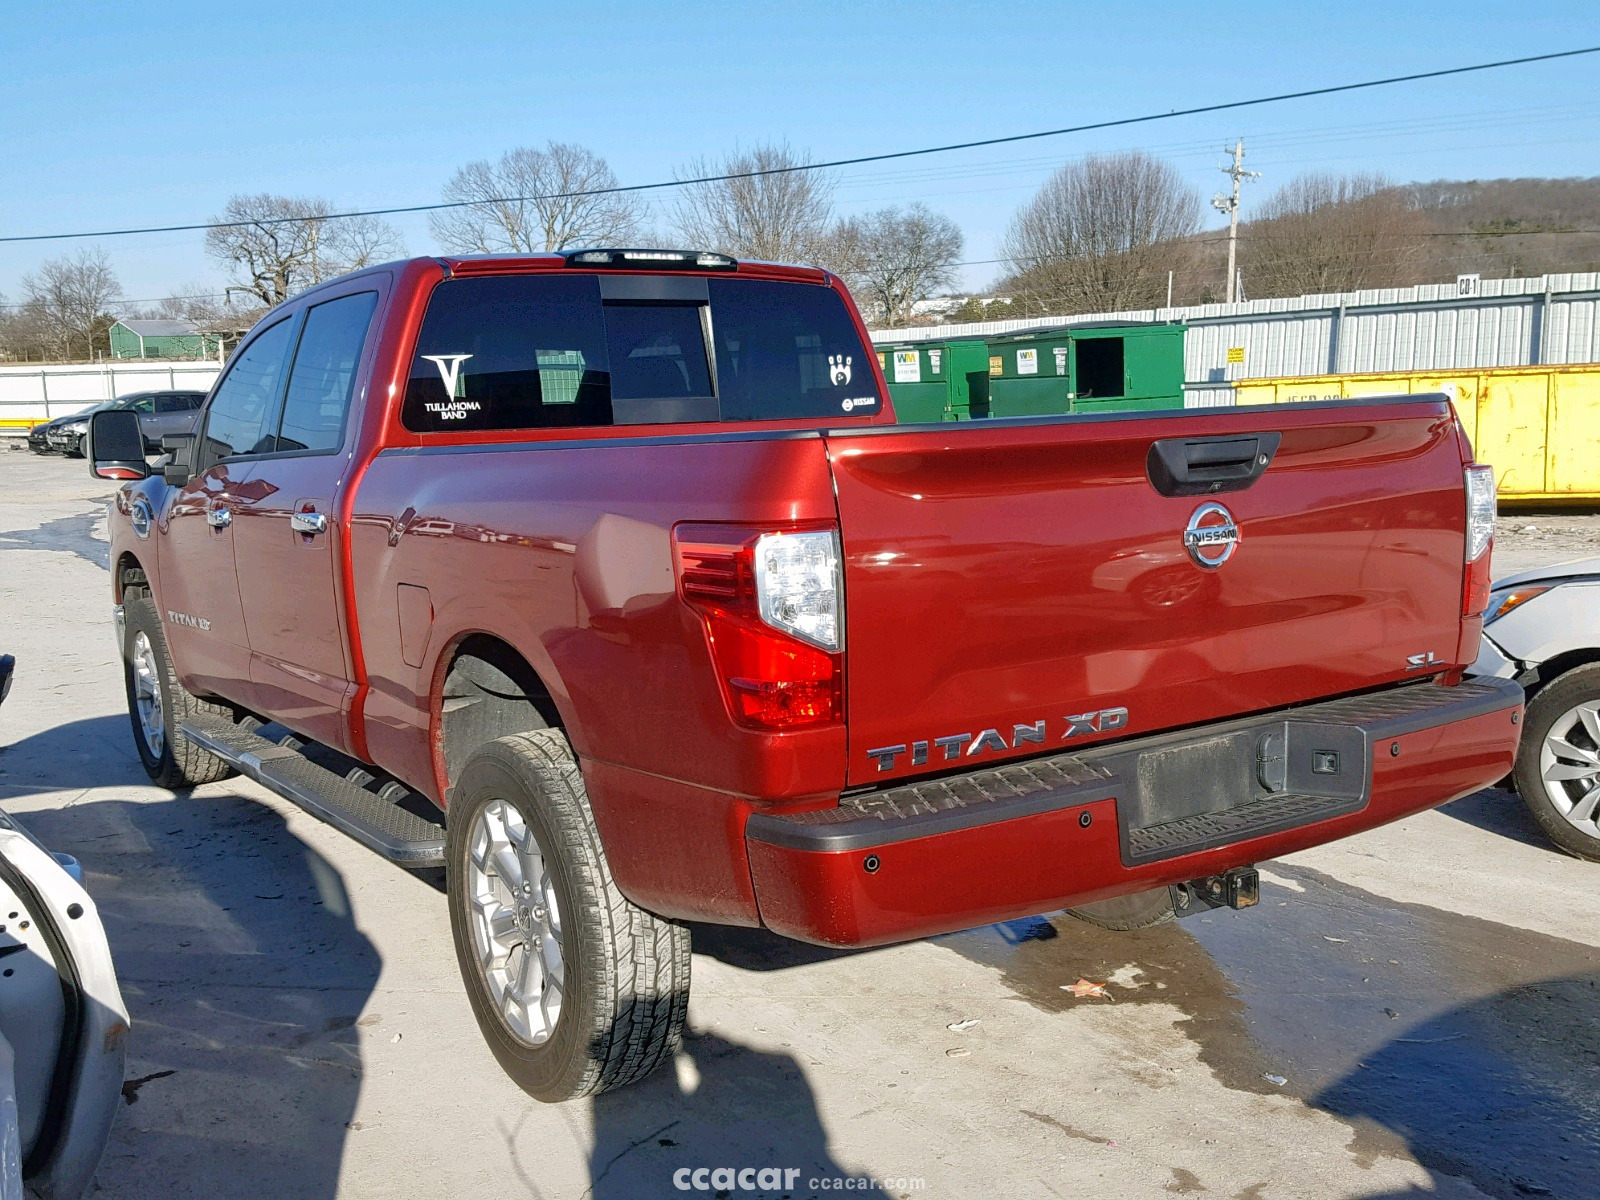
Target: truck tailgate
{"x":1000,"y":575}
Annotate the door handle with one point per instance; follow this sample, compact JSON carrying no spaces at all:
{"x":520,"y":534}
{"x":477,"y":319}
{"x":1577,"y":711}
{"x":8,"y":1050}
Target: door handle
{"x":308,"y":522}
{"x":219,"y":518}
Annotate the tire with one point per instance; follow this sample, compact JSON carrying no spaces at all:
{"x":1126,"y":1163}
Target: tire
{"x":1142,"y":910}
{"x":170,"y":759}
{"x":1565,"y":711}
{"x":619,"y":984}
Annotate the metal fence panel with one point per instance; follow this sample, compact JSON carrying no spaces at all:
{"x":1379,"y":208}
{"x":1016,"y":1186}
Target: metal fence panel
{"x":1550,"y":319}
{"x":38,"y":392}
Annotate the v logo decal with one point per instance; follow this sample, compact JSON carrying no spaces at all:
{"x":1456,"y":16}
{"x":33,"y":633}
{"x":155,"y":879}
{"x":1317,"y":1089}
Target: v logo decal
{"x":449,"y":370}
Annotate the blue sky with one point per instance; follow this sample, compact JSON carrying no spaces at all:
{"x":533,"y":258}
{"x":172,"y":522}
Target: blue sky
{"x":124,"y":115}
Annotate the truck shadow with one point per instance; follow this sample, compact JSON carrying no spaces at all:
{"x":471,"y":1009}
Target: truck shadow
{"x":93,"y":752}
{"x":761,"y":949}
{"x":719,"y":1109}
{"x":1499,"y":811}
{"x":1515,"y":1069}
{"x":244,"y":975}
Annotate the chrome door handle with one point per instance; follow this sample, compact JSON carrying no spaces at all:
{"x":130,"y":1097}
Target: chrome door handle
{"x":308,"y":522}
{"x":219,"y":518}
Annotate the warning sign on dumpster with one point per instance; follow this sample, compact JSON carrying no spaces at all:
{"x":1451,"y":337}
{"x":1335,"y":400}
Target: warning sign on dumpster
{"x":907,"y":367}
{"x":997,"y":365}
{"x":1061,"y":359}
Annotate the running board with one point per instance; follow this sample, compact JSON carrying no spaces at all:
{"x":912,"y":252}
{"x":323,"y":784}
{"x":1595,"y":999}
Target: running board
{"x":397,"y":834}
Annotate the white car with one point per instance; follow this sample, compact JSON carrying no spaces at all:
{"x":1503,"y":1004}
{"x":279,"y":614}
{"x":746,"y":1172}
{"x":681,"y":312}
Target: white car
{"x":1542,"y":628}
{"x":63,"y":1025}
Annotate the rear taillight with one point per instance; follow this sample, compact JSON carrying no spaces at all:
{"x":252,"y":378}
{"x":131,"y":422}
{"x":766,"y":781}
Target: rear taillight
{"x":1481,"y":500}
{"x":772,"y":601}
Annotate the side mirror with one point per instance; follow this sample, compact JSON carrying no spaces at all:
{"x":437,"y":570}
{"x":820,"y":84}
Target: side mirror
{"x":116,"y":445}
{"x":178,"y":469}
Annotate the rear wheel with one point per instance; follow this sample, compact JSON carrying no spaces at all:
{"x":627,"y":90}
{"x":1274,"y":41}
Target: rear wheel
{"x":158,"y":704}
{"x":1558,"y":761}
{"x":575,"y":989}
{"x":1142,"y":910}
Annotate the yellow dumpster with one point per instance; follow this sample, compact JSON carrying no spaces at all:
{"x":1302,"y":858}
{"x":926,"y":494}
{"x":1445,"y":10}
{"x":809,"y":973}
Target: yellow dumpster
{"x":1539,"y":426}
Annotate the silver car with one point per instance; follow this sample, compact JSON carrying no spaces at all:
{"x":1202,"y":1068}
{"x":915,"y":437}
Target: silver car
{"x":160,"y":413}
{"x":1542,"y":628}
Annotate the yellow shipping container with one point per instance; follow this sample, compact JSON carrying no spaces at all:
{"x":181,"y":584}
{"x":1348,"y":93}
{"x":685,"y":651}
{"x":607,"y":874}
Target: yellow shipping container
{"x":1539,"y":426}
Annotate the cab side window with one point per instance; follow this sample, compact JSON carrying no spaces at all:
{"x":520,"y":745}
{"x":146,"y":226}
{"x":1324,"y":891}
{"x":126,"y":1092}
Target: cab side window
{"x":324,"y":374}
{"x":245,"y":405}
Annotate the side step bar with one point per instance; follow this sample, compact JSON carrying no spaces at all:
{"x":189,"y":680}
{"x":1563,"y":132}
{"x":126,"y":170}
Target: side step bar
{"x":397,"y":834}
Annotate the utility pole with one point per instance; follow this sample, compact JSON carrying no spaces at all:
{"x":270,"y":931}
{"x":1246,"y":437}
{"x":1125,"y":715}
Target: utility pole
{"x":1224,"y":203}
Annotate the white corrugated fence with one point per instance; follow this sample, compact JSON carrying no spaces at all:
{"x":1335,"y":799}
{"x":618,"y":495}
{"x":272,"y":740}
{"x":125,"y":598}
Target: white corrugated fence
{"x":1546,"y":320}
{"x":38,"y":392}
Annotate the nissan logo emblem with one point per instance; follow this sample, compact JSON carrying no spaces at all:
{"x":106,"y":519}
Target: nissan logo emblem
{"x":1211,"y":536}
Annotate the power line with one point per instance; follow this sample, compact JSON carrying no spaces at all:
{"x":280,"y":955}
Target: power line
{"x":1203,"y":239}
{"x":836,"y":163}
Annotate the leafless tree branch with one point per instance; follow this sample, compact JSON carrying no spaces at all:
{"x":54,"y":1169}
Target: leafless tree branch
{"x":776,"y":218}
{"x":67,"y":304}
{"x":895,"y":257}
{"x":525,"y":204}
{"x":279,"y":245}
{"x":1102,"y":233}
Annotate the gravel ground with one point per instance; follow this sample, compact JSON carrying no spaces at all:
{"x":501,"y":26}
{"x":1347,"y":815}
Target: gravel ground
{"x":1538,"y":539}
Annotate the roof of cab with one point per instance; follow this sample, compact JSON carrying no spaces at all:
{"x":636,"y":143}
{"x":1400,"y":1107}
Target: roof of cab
{"x":507,"y":264}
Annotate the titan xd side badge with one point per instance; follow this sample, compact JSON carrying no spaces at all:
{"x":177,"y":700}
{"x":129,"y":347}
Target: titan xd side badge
{"x":1211,"y":536}
{"x":965,"y":745}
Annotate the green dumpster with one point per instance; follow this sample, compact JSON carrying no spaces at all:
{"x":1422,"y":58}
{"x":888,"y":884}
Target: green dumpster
{"x":935,"y":381}
{"x":1095,"y":367}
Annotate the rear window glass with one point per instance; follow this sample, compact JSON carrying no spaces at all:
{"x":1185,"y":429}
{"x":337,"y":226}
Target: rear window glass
{"x":528,"y":352}
{"x":787,"y":346}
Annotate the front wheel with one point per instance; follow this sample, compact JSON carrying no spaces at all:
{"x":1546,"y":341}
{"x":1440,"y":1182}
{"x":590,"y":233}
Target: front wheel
{"x":575,"y":989}
{"x":158,"y":704}
{"x":1558,"y":761}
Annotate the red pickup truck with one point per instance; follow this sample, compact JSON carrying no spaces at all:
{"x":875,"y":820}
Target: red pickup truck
{"x":607,"y":580}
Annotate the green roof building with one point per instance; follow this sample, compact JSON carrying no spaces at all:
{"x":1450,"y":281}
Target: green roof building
{"x":161,"y":339}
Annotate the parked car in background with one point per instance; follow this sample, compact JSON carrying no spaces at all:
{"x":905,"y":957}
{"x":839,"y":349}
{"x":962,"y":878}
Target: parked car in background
{"x":1542,"y":629}
{"x":160,"y":413}
{"x":39,"y":437}
{"x":164,"y":413}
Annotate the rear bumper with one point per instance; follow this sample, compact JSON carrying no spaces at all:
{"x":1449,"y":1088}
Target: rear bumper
{"x":1041,"y":834}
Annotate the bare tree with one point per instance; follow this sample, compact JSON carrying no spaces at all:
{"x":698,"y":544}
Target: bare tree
{"x":900,"y":256}
{"x":1333,"y":233}
{"x":535,"y":200}
{"x":773,"y":210}
{"x":1102,"y":233}
{"x":194,"y":302}
{"x":279,"y":245}
{"x":68,"y":301}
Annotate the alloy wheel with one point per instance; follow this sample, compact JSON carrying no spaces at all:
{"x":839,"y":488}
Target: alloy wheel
{"x":147,"y":696}
{"x":516,"y":922}
{"x":1569,"y":765}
